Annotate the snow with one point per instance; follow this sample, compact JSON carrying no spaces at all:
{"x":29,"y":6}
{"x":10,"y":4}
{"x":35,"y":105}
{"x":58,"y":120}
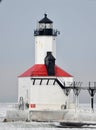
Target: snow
{"x":21,"y":125}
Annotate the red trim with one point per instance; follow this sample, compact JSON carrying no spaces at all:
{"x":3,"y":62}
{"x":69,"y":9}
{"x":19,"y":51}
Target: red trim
{"x":33,"y":105}
{"x":41,"y":70}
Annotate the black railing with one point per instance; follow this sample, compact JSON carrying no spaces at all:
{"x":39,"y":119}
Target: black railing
{"x":50,"y":32}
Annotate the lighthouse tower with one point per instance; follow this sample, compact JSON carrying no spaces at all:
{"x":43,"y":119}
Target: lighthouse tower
{"x":45,"y":40}
{"x":41,"y":86}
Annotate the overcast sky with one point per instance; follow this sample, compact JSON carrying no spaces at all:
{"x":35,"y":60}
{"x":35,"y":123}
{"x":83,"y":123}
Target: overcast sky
{"x":76,"y":44}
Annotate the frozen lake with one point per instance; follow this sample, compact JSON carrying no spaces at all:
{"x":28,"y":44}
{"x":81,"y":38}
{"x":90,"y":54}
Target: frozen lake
{"x":35,"y":125}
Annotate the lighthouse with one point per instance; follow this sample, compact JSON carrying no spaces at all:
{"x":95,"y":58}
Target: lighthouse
{"x":41,"y":87}
{"x":45,"y":91}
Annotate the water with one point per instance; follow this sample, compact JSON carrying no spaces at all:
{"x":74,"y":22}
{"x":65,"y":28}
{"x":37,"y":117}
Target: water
{"x":20,"y":125}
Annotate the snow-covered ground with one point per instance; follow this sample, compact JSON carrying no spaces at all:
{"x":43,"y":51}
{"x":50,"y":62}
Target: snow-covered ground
{"x":36,"y":125}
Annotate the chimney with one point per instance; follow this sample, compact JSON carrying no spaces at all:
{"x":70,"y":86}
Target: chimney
{"x":50,"y":64}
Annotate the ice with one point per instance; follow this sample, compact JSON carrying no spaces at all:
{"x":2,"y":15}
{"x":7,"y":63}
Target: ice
{"x":21,"y":125}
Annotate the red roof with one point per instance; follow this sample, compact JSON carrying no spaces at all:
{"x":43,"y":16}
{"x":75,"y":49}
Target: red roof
{"x":41,"y":70}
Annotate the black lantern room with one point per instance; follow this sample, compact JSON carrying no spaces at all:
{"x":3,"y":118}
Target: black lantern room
{"x":45,"y":27}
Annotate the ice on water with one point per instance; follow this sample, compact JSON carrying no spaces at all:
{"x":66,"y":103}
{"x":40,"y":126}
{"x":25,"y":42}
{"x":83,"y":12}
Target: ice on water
{"x":35,"y":125}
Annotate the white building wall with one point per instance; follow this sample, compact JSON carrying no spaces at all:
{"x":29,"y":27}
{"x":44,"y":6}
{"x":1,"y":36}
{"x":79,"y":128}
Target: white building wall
{"x":23,"y":88}
{"x":43,"y":44}
{"x":43,"y":96}
{"x":47,"y":96}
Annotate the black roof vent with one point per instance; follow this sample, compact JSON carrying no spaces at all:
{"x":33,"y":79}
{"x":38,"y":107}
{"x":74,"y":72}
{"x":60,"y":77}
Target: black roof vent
{"x":50,"y":64}
{"x":45,"y":20}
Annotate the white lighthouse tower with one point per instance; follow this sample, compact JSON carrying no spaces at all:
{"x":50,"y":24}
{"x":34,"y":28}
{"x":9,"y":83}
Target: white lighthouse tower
{"x":41,"y":87}
{"x":45,"y":40}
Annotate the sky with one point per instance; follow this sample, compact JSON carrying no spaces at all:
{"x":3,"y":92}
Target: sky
{"x":76,"y":44}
